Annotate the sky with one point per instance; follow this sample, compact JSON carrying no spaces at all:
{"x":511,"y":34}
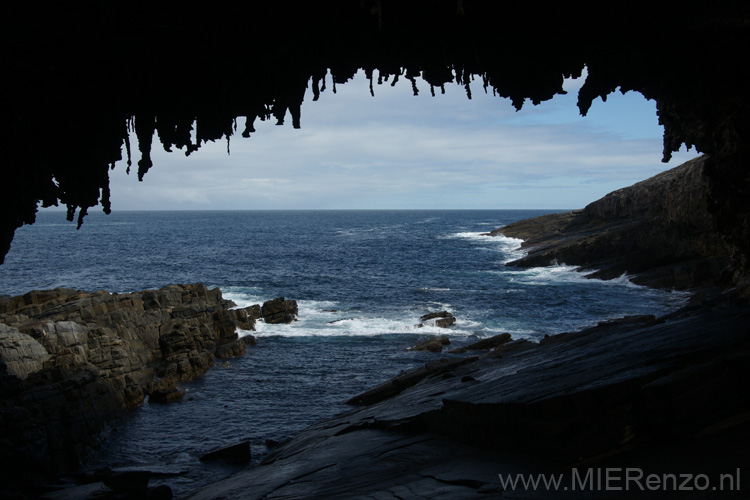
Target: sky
{"x":400,"y":151}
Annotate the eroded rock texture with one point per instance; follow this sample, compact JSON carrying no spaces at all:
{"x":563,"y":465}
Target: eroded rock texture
{"x":70,"y":361}
{"x":81,"y":77}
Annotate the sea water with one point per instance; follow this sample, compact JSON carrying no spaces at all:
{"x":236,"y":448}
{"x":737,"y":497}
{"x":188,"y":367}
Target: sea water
{"x":362,"y":280}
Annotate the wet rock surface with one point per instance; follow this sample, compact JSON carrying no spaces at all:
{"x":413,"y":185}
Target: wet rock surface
{"x":442,"y":319}
{"x":279,"y":310}
{"x":486,"y":344}
{"x":72,"y":360}
{"x":433,"y":344}
{"x":661,"y":395}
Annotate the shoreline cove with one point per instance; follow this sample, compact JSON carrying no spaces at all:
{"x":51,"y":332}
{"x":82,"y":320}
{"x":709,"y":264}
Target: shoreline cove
{"x":539,"y":393}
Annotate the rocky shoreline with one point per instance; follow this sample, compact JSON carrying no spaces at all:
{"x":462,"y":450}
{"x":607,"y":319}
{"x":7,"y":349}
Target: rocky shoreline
{"x":660,"y":231}
{"x":640,"y":396}
{"x":72,"y":361}
{"x":658,"y":396}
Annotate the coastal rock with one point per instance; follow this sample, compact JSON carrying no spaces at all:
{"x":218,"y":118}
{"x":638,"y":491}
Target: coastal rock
{"x":233,"y":348}
{"x":164,"y":391}
{"x":660,"y":231}
{"x":433,"y":345}
{"x":443,"y":319}
{"x":485,"y":344}
{"x":70,"y":361}
{"x":20,"y":352}
{"x":253,"y":312}
{"x":243,"y":319}
{"x":408,"y":379}
{"x":279,"y":310}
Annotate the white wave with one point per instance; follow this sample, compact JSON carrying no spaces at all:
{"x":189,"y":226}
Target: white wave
{"x":561,"y":273}
{"x":510,"y":248}
{"x":242,"y":299}
{"x":244,"y":333}
{"x":317,"y":318}
{"x":428,"y":220}
{"x":324,"y":319}
{"x":543,"y":276}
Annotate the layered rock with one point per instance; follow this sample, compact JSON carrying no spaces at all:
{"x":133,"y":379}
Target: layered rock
{"x":660,"y":395}
{"x":662,"y":231}
{"x":485,"y":344}
{"x":72,"y":360}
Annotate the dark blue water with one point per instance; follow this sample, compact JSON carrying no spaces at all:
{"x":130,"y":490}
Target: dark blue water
{"x":362,"y":280}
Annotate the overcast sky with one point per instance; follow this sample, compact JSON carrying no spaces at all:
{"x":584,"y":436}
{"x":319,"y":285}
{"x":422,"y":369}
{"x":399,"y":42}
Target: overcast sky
{"x":397,"y":151}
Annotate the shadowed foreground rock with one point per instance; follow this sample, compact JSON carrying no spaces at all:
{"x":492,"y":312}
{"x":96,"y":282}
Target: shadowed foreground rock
{"x":239,"y":452}
{"x":70,"y":361}
{"x":665,"y":395}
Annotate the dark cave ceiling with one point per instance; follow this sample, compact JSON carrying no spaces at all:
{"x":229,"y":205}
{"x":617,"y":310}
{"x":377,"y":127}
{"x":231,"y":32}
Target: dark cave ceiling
{"x":80,"y":76}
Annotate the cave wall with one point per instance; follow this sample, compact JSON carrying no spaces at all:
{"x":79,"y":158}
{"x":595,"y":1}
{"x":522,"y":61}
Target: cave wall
{"x":82,"y":76}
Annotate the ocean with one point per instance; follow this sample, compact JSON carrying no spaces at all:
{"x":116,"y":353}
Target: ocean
{"x":362,"y":280}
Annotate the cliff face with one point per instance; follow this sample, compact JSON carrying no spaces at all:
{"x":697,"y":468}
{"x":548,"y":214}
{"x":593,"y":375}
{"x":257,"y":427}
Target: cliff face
{"x":663,"y":231}
{"x":70,"y":361}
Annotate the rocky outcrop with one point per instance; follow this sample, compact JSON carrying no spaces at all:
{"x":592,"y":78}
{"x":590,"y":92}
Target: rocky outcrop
{"x":661,"y":231}
{"x":71,"y":360}
{"x":21,"y":353}
{"x":434,"y":344}
{"x":443,"y":319}
{"x":279,"y":310}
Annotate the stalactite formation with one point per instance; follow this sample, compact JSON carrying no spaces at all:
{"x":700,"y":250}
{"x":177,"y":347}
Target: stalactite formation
{"x":82,"y":77}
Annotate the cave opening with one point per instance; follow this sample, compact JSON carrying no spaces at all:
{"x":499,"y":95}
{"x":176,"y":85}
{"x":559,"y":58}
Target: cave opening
{"x":380,"y":145}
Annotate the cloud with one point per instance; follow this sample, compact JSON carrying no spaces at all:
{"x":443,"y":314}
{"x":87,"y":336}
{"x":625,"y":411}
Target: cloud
{"x":400,"y":151}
